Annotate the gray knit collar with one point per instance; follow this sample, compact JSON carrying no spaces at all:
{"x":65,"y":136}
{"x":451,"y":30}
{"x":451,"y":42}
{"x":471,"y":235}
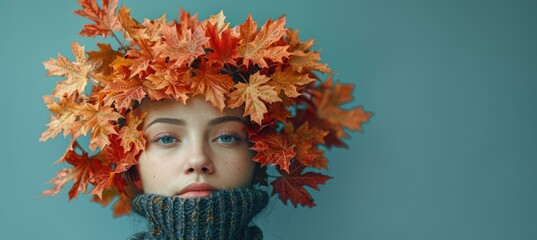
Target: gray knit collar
{"x":224,"y":215}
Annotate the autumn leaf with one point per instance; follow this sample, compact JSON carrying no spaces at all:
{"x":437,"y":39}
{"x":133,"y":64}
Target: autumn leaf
{"x":255,"y":46}
{"x":288,"y":80}
{"x":276,"y":112}
{"x":77,"y":73}
{"x":63,"y":120}
{"x":306,"y":140}
{"x":223,"y":45}
{"x":131,"y":27}
{"x":208,"y":81}
{"x":105,"y":56}
{"x":168,"y":82}
{"x":273,"y":148}
{"x":62,"y":177}
{"x":252,"y":94}
{"x":131,"y":137}
{"x":302,"y":59}
{"x":105,"y":18}
{"x":123,"y":93}
{"x":84,"y":169}
{"x":217,"y":21}
{"x":290,"y":186}
{"x":329,"y":101}
{"x":100,"y":120}
{"x":121,"y":206}
{"x":182,"y":47}
{"x":118,"y":161}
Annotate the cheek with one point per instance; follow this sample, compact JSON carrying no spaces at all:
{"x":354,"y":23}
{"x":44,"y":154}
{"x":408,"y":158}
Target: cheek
{"x":154,"y":171}
{"x":241,"y":171}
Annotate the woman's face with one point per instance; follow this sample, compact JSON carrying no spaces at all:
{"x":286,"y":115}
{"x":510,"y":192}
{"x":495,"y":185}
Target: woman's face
{"x":193,"y":149}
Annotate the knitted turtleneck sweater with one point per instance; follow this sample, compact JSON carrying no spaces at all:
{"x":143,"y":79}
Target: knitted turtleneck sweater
{"x":223,"y":215}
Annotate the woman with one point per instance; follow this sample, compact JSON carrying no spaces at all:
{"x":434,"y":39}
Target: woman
{"x":185,"y":117}
{"x":195,"y":154}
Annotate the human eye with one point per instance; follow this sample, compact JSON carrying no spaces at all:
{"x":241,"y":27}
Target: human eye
{"x":228,"y":138}
{"x":165,"y":140}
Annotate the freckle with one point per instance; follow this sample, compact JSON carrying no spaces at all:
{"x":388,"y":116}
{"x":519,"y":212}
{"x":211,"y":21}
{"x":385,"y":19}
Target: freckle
{"x":153,"y":176}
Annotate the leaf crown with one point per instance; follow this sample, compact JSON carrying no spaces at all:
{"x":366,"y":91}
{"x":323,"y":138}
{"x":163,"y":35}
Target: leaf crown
{"x":269,"y":71}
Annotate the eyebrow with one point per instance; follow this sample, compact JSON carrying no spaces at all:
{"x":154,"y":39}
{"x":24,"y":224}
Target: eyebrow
{"x":172,"y":121}
{"x":181,"y":122}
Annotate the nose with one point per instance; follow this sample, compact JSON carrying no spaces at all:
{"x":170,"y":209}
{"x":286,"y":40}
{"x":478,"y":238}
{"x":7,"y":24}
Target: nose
{"x":198,"y":159}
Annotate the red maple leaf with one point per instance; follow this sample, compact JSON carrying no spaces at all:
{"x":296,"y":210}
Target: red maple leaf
{"x":273,"y":148}
{"x":118,"y":162}
{"x":291,"y":185}
{"x":106,"y":20}
{"x":224,"y":45}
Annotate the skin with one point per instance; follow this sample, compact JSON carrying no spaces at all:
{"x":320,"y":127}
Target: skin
{"x":193,"y":144}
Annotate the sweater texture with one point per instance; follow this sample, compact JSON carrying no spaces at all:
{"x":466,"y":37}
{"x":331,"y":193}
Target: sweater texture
{"x":223,"y":215}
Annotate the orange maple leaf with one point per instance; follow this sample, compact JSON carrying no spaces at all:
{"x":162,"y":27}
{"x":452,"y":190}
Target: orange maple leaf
{"x":182,"y":47}
{"x":208,"y":81}
{"x":77,"y":73}
{"x":168,"y":82}
{"x":302,"y":59}
{"x":106,"y":21}
{"x":329,"y":101}
{"x":105,"y":56}
{"x":62,"y":177}
{"x":131,"y":137}
{"x":131,"y":27}
{"x":305,"y":140}
{"x":123,"y":93}
{"x":98,"y":118}
{"x":290,"y":186}
{"x":251,"y":94}
{"x":256,"y":46}
{"x":288,"y":80}
{"x":63,"y":120}
{"x":273,"y":148}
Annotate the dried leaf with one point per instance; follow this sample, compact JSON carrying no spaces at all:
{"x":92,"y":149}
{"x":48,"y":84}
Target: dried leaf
{"x":223,"y":44}
{"x":288,"y":81}
{"x":257,"y":48}
{"x":208,"y":81}
{"x":290,"y":186}
{"x":77,"y":73}
{"x":131,"y":136}
{"x":251,"y":95}
{"x":182,"y":47}
{"x":274,"y":149}
{"x":105,"y":18}
{"x":100,"y":119}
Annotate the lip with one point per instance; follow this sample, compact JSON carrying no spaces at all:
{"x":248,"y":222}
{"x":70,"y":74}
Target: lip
{"x":196,"y":190}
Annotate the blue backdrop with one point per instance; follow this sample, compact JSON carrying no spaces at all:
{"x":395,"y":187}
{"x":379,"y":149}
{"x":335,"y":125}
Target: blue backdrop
{"x":449,"y":154}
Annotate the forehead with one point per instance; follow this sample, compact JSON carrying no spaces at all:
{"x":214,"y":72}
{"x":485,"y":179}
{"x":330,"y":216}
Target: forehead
{"x":195,"y":107}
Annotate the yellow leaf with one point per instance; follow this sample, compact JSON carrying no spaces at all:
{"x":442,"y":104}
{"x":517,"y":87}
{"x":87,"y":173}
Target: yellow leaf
{"x":251,"y":94}
{"x":75,"y":72}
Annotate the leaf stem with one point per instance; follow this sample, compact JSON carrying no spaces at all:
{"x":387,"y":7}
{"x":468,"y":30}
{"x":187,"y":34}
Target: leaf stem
{"x":95,"y":82}
{"x":120,"y":42}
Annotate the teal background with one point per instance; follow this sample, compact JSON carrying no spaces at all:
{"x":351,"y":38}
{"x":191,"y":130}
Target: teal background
{"x":449,"y":154}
